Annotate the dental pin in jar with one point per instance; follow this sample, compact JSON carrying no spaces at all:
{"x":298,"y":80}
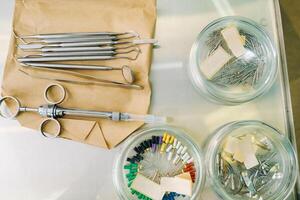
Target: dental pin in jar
{"x":233,"y":61}
{"x":251,"y":160}
{"x":159,"y":163}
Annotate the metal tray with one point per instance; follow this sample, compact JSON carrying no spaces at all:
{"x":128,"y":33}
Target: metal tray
{"x":36,"y":168}
{"x":178,"y":25}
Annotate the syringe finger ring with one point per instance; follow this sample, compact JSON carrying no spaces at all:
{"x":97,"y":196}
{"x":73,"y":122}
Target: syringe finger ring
{"x":43,"y":128}
{"x":48,"y":90}
{"x":13,"y":112}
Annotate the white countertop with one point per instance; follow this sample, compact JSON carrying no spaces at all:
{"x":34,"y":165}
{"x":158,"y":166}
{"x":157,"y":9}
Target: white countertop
{"x":36,"y":168}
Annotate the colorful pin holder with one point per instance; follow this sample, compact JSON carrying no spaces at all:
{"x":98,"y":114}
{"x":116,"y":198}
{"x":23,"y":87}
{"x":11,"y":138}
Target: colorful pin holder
{"x":167,"y":148}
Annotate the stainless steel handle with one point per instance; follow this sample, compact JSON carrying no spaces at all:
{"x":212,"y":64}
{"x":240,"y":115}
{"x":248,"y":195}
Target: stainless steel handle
{"x":66,"y":49}
{"x":67,"y":58}
{"x":67,"y":35}
{"x":79,"y":39}
{"x":66,"y":66}
{"x":79,"y":53}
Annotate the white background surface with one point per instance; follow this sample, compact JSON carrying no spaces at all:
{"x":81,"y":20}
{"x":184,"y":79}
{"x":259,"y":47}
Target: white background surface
{"x":35,"y":168}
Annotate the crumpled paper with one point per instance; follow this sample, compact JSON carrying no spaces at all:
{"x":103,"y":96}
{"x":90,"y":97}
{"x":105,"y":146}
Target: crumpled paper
{"x":56,"y":16}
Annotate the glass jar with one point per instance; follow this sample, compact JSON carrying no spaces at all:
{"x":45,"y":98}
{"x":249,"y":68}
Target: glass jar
{"x":251,"y":160}
{"x":243,"y":70}
{"x":156,"y":162}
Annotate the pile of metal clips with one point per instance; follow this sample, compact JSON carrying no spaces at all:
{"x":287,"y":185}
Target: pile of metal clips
{"x":87,"y":46}
{"x":250,"y":182}
{"x":242,"y":71}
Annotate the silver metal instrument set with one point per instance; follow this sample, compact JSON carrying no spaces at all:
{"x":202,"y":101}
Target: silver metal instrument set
{"x":230,"y":63}
{"x":46,"y":50}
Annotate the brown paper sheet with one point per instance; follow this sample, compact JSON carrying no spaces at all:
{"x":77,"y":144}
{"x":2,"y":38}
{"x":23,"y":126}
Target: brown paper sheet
{"x":57,"y":16}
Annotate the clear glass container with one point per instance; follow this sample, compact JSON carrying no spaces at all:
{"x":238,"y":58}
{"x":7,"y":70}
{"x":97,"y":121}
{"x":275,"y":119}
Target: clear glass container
{"x":268,"y":169}
{"x":241,"y":75}
{"x":157,"y":163}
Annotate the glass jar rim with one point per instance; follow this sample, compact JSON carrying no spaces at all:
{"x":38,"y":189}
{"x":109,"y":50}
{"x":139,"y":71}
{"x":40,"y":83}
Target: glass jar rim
{"x":122,"y":188}
{"x":227,"y":129}
{"x":218,"y":95}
